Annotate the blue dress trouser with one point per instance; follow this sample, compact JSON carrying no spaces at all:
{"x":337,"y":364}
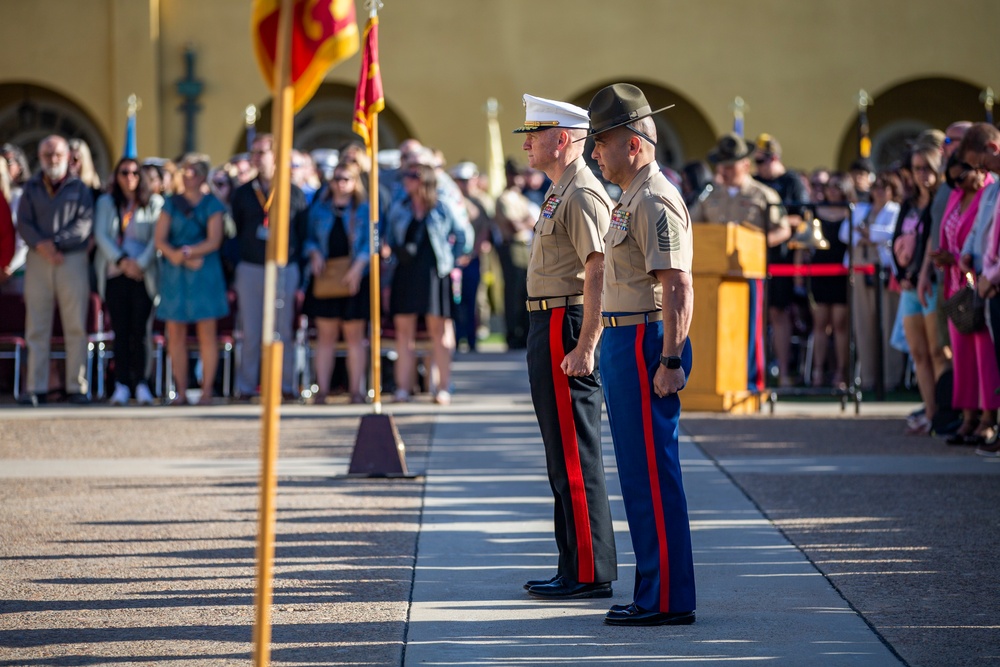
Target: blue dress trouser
{"x":644,"y":429}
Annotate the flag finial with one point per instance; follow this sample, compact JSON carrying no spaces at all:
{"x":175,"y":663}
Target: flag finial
{"x":739,"y":107}
{"x":864,"y":131}
{"x":131,"y":150}
{"x":987,"y":98}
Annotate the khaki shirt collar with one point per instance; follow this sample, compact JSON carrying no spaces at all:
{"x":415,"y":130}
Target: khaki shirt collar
{"x":574,"y":168}
{"x":641,"y":178}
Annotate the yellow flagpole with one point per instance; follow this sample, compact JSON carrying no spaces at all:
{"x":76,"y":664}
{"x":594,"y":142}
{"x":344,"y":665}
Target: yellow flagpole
{"x":277,"y":257}
{"x":373,"y":269}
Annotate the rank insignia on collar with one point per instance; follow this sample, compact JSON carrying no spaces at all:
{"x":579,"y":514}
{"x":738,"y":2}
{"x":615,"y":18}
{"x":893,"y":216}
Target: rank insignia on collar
{"x":551,"y":204}
{"x":619,"y":220}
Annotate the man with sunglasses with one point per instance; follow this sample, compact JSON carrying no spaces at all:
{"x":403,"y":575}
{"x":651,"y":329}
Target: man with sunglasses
{"x":251,"y":204}
{"x":564,"y":280}
{"x":771,"y":171}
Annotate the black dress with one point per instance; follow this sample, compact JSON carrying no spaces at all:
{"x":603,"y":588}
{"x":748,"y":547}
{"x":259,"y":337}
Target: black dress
{"x":357,"y":307}
{"x":417,"y":289}
{"x":830,"y":289}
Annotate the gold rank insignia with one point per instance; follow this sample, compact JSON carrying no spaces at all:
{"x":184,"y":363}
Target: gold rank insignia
{"x":551,"y":204}
{"x":619,"y":220}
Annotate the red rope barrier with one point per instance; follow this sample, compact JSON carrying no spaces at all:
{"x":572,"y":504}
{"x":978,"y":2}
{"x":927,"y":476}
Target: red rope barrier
{"x":815,"y":270}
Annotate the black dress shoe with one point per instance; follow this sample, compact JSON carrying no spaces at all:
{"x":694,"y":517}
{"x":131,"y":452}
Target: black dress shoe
{"x":539,"y":582}
{"x":635,"y":615}
{"x":78,"y":399}
{"x":562,"y":588}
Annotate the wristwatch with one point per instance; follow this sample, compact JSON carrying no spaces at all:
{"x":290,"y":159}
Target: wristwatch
{"x":673,"y":363}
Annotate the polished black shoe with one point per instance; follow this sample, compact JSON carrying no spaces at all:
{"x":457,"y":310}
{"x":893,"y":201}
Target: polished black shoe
{"x":636,"y":615}
{"x":539,"y":582}
{"x":78,"y":399}
{"x":562,"y":588}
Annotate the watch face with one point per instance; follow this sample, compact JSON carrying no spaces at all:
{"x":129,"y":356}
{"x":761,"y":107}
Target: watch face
{"x":672,"y":363}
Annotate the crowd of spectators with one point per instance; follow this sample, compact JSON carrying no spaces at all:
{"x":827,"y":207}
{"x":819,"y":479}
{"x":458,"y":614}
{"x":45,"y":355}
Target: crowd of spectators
{"x":890,"y":251}
{"x":168,"y":240}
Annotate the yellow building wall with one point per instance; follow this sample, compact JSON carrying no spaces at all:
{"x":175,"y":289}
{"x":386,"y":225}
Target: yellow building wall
{"x":798,"y":64}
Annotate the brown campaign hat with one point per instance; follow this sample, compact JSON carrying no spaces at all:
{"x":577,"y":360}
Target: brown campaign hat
{"x":616,"y":105}
{"x":731,"y":147}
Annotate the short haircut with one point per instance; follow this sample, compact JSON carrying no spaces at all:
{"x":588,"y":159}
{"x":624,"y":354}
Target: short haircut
{"x":976,"y":138}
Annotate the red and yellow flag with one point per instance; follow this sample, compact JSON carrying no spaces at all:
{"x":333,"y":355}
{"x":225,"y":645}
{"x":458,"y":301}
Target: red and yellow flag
{"x":369,"y":98}
{"x":324,"y":32}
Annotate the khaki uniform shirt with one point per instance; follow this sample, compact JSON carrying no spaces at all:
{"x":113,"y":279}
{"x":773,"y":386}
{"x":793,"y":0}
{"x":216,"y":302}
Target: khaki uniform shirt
{"x":650,"y":231}
{"x":571,"y":226}
{"x":755,"y":203}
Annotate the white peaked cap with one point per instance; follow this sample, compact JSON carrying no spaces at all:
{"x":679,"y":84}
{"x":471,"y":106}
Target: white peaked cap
{"x":540,"y":114}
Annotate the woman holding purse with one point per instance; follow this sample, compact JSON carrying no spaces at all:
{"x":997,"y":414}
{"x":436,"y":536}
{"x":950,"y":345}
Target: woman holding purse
{"x":338,"y":231}
{"x":976,"y":376}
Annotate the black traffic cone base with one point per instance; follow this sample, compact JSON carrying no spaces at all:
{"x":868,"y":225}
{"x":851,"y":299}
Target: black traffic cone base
{"x":378,"y":449}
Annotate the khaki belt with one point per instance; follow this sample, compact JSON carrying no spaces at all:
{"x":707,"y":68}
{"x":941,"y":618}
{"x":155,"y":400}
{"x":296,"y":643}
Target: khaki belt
{"x":557,"y":302}
{"x":630,"y":320}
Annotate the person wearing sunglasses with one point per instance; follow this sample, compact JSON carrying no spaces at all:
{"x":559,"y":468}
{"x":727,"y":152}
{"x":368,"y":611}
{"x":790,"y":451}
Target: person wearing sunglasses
{"x":338,"y":227}
{"x":426,"y":235}
{"x":125,"y":264}
{"x":974,"y":363}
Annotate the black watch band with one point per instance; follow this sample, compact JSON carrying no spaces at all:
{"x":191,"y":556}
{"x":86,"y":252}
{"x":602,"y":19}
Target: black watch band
{"x":673,"y":363}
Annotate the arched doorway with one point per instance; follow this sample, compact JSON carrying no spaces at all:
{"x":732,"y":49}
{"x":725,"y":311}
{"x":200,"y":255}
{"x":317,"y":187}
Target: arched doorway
{"x":325,"y":122}
{"x":901,"y":112}
{"x":29,"y":113}
{"x":683,"y":133}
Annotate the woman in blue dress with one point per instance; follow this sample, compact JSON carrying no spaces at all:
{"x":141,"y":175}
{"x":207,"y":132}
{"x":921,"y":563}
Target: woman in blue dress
{"x":192,"y":288}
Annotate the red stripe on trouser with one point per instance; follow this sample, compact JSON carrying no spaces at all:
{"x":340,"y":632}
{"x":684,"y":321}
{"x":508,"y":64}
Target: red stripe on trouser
{"x":654,"y":476}
{"x":571,"y":450}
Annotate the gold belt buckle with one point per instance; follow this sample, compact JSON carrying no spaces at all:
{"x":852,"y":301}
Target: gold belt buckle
{"x":543,"y":305}
{"x":614,"y":321}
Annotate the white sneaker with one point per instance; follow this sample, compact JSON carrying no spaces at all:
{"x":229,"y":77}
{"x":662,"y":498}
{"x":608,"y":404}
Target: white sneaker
{"x":443,"y":398}
{"x":120,"y":395}
{"x":143,"y":395}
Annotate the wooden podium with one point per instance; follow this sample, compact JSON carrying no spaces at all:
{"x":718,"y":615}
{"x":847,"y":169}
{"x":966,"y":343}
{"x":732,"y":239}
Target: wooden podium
{"x":726,"y":257}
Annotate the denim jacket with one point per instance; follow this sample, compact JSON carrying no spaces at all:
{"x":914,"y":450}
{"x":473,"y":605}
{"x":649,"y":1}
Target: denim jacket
{"x":107,"y":223}
{"x":321,"y":219}
{"x":450,"y":233}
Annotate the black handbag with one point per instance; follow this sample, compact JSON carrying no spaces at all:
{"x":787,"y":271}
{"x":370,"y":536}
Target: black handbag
{"x":966,"y":309}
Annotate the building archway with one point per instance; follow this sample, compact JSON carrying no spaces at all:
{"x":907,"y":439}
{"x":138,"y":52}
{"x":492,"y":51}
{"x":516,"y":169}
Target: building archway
{"x":901,"y":112}
{"x":683,"y":133}
{"x":29,"y":113}
{"x":325,"y":122}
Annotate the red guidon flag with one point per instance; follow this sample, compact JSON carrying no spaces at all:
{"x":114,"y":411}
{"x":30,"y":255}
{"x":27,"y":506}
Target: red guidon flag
{"x":324,"y":32}
{"x":369,"y":98}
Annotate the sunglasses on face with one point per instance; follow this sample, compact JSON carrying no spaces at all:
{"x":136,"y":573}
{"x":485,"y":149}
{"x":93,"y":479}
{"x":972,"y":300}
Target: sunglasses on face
{"x":411,"y":174}
{"x":342,"y":179}
{"x":128,"y":172}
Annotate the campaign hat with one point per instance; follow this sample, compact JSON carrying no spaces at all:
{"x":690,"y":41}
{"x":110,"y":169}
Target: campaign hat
{"x":730,"y":148}
{"x":616,"y":105}
{"x":541,"y":114}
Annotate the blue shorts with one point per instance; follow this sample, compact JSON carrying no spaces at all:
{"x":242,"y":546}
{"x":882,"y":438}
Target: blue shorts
{"x":909,"y":304}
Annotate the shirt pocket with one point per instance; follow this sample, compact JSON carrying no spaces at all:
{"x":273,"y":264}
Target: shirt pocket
{"x":616,"y":255}
{"x":546,"y":240}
